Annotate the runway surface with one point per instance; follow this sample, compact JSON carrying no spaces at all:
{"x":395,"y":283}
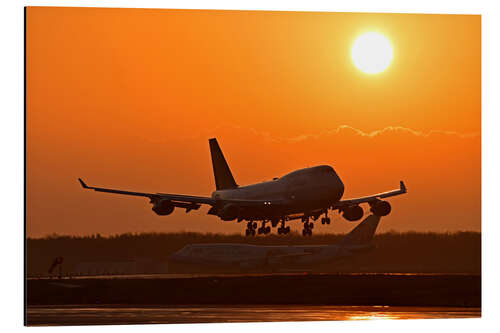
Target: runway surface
{"x":365,"y":289}
{"x":104,"y":315}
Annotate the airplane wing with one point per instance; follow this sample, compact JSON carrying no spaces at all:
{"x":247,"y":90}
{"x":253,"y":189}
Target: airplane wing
{"x":355,"y":201}
{"x":178,"y":200}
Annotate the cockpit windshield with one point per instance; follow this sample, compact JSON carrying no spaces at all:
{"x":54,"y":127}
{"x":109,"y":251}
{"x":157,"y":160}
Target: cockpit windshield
{"x":324,"y":169}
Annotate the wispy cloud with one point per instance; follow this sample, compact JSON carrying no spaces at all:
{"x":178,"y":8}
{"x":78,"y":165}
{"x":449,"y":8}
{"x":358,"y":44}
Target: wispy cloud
{"x":342,"y":130}
{"x":387,"y":130}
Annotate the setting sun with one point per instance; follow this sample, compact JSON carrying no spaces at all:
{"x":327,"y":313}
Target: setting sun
{"x":372,"y":53}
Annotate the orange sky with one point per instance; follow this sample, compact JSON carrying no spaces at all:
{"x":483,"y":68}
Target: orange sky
{"x":127,"y":98}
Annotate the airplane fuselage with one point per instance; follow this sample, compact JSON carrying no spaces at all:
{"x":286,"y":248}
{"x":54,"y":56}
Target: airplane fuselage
{"x":302,"y":190}
{"x":254,"y":256}
{"x":231,"y":254}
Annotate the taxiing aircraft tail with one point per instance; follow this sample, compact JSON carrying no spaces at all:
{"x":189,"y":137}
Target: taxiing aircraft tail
{"x":363,"y":233}
{"x":223,"y":177}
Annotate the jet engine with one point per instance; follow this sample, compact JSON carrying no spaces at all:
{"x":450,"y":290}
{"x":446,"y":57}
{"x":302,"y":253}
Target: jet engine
{"x":163,"y":207}
{"x":352,"y":213}
{"x":380,"y":208}
{"x":229,"y":212}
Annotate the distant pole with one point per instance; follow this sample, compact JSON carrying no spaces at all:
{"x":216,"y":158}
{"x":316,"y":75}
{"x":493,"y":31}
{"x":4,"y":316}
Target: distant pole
{"x":57,"y":262}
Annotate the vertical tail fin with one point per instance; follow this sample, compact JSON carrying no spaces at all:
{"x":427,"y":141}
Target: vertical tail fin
{"x":223,"y":177}
{"x":363,"y":233}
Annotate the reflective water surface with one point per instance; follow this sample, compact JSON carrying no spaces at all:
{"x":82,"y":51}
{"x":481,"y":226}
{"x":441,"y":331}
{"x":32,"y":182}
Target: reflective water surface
{"x":101,"y":315}
{"x":202,"y":275}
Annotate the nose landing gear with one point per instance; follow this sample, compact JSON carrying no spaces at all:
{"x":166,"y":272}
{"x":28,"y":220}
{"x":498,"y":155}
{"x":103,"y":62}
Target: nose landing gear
{"x":326,"y":219}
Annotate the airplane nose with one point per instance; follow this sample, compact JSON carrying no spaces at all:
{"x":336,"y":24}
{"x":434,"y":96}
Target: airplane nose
{"x":341,"y":188}
{"x":337,"y":187}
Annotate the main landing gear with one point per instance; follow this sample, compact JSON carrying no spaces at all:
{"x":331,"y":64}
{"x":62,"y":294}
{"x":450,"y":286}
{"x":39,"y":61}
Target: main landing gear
{"x":263,"y":229}
{"x":283,"y":230}
{"x":326,"y":219}
{"x":251,"y":226}
{"x":308,"y":226}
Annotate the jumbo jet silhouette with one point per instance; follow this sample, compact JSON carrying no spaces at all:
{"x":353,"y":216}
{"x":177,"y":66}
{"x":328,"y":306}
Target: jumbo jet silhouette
{"x":303,"y":194}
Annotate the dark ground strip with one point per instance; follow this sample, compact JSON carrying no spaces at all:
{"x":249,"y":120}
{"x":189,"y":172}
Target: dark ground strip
{"x":313,"y":289}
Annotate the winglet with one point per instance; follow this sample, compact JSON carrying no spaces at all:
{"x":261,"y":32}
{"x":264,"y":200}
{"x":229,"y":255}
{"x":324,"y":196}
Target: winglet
{"x":83,"y":183}
{"x":402,"y":186}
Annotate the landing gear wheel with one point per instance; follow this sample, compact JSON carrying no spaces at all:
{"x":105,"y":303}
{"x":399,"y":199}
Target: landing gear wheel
{"x":263,"y":229}
{"x":327,"y":220}
{"x":307,"y":231}
{"x":251,"y":226}
{"x":282,"y":229}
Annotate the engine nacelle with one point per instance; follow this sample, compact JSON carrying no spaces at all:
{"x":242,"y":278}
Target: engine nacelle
{"x":352,"y":213}
{"x":229,"y":212}
{"x":163,"y":207}
{"x":381,"y":208}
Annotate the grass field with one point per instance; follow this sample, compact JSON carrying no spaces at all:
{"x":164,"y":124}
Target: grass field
{"x":395,"y":252}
